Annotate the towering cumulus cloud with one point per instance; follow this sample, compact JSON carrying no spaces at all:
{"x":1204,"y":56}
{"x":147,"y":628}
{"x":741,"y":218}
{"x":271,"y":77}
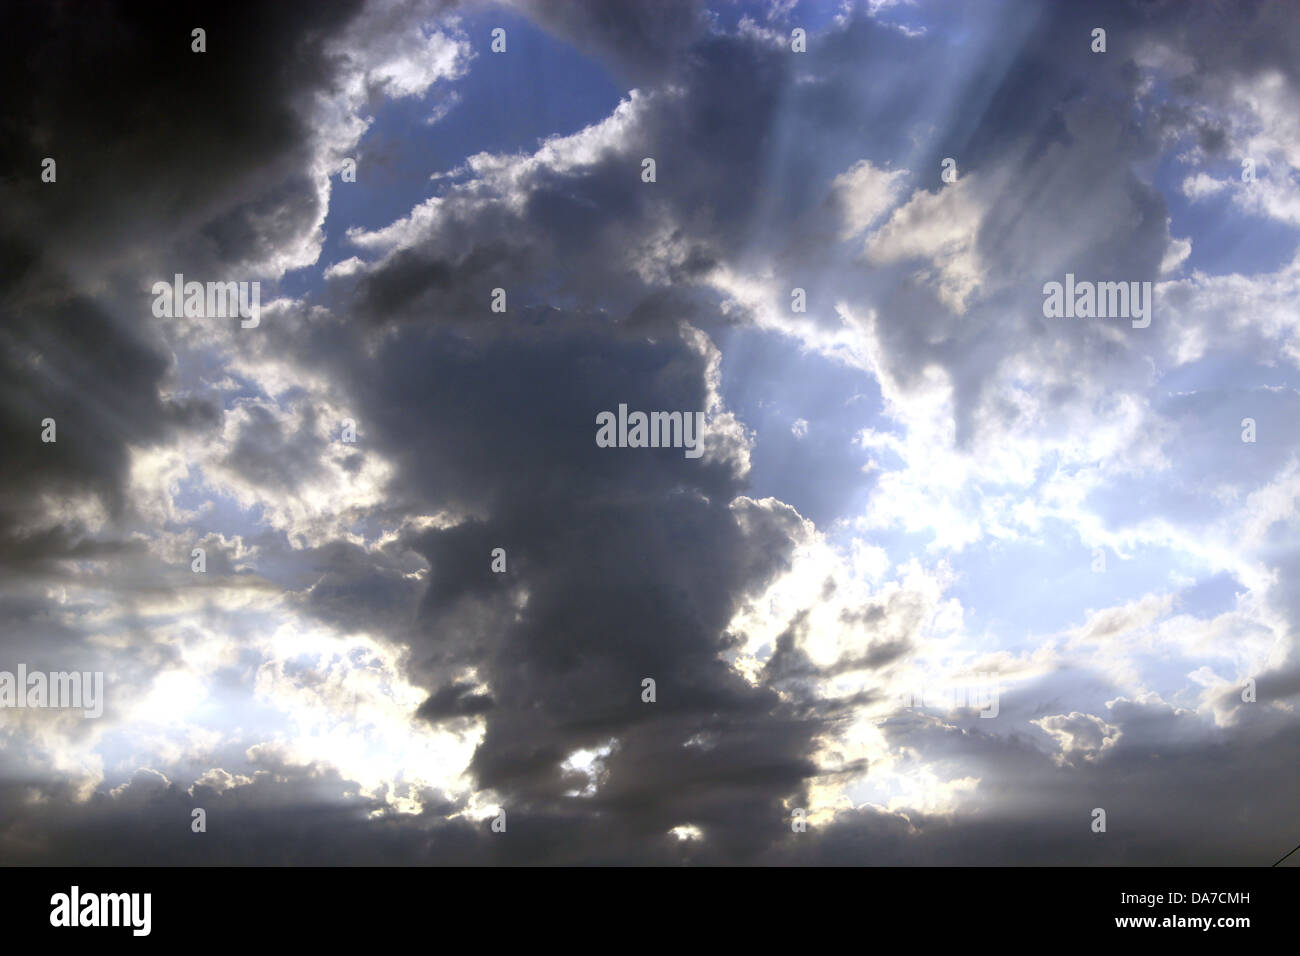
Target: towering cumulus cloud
{"x":652,"y":432}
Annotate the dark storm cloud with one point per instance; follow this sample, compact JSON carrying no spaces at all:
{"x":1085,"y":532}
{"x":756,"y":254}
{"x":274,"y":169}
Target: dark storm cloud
{"x":454,"y":700}
{"x":194,"y":160}
{"x":155,"y":142}
{"x":285,"y":816}
{"x":353,"y":588}
{"x":160,"y":151}
{"x":66,"y":358}
{"x":622,"y":564}
{"x":1225,"y":793}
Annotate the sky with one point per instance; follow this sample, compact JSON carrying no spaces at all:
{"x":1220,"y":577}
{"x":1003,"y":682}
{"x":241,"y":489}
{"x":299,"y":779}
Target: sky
{"x":949,"y":579}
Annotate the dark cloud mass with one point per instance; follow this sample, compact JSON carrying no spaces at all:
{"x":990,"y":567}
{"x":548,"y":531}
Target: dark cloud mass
{"x":350,"y":680}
